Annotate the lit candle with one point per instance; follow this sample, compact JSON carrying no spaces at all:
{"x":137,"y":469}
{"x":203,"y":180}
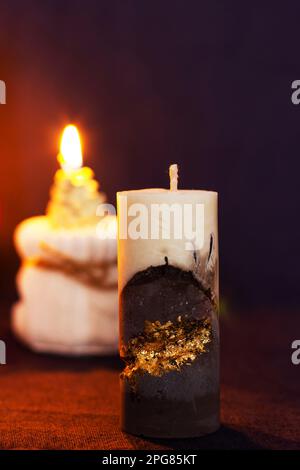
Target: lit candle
{"x":168,"y":291}
{"x":68,"y":278}
{"x":74,"y":195}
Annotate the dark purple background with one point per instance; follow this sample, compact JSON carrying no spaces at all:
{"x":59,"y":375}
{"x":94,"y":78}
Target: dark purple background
{"x":203,"y":84}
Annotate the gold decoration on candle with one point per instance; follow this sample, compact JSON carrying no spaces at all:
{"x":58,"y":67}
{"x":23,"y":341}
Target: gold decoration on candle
{"x":165,"y":347}
{"x":75,"y":194}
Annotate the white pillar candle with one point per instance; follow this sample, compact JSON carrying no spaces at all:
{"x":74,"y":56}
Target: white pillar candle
{"x":168,"y":297}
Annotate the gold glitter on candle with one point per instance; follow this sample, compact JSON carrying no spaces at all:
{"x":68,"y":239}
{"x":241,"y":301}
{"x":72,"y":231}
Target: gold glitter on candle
{"x":166,"y":347}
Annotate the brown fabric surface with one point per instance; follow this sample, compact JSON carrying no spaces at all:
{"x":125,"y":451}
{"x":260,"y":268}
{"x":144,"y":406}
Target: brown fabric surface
{"x":49,"y":402}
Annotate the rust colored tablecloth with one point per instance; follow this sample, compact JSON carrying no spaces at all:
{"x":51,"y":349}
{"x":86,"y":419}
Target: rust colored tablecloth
{"x":49,"y":402}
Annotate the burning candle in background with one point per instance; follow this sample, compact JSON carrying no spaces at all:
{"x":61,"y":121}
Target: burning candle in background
{"x":168,"y":291}
{"x":68,"y":278}
{"x":74,"y":195}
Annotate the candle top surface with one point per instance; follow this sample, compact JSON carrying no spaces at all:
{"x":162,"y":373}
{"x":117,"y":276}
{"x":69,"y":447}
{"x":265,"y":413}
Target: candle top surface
{"x":173,"y":190}
{"x":152,"y":191}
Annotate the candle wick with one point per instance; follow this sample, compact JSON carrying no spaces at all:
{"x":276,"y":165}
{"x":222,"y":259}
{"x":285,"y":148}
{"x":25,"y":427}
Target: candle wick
{"x":173,"y":173}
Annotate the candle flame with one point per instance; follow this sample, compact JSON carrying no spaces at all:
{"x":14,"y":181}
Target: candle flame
{"x":70,"y":156}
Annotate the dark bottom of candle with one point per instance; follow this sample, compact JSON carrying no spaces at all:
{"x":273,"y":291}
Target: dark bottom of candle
{"x":169,"y":421}
{"x":170,"y":344}
{"x":159,"y":413}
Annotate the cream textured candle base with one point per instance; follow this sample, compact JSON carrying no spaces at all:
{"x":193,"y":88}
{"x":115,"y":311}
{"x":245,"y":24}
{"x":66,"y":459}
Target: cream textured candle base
{"x":50,"y":346}
{"x":59,"y":315}
{"x":68,"y":289}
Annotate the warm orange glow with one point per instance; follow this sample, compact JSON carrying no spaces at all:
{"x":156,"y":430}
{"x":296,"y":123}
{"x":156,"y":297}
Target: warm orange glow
{"x":70,"y":156}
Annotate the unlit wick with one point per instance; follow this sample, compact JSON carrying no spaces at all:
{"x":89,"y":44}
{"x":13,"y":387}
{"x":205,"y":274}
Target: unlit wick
{"x":173,"y":173}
